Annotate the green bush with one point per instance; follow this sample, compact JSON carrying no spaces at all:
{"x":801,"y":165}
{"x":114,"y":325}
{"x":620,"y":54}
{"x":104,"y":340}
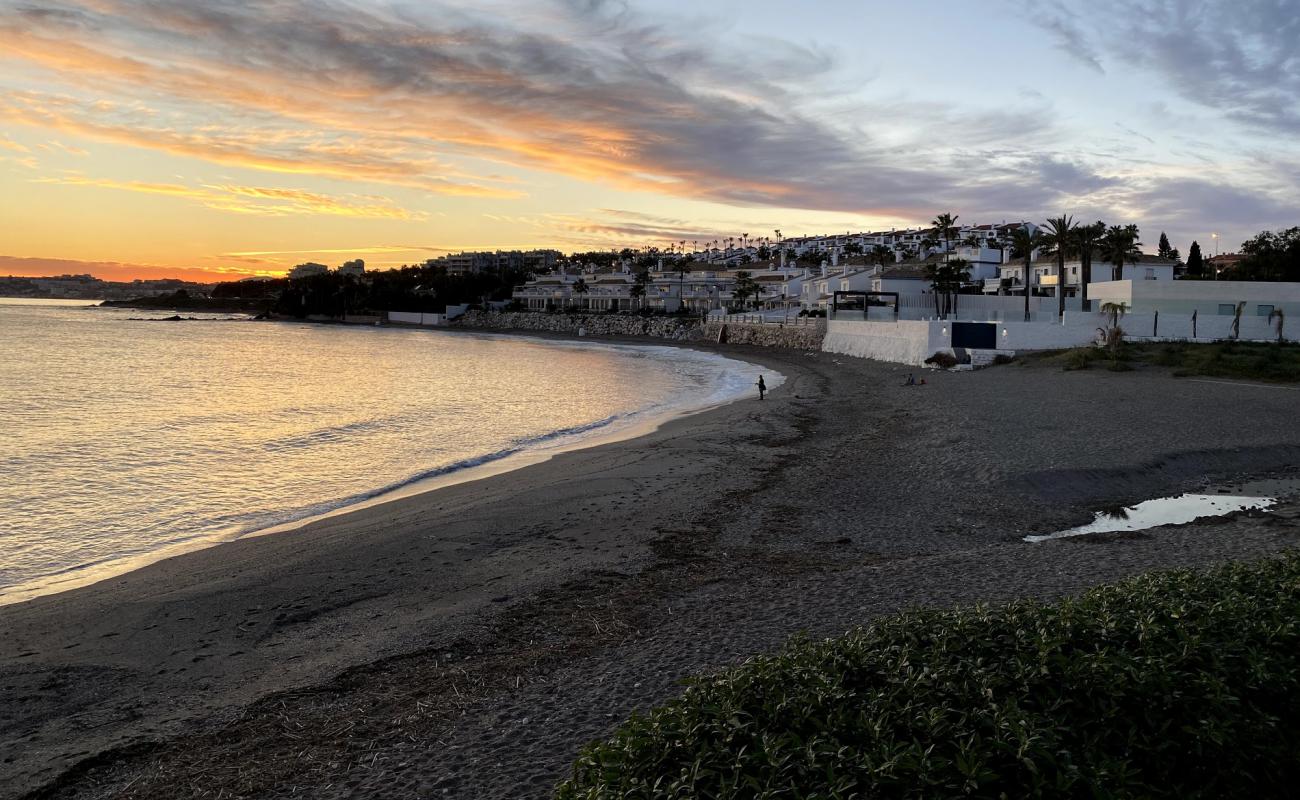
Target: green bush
{"x":1175,"y":684}
{"x":1080,"y":358}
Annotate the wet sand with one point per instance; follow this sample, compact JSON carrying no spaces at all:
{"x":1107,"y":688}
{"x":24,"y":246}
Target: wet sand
{"x":466,"y":642}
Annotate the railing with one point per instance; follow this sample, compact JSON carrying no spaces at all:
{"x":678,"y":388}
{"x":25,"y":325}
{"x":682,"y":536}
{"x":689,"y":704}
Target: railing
{"x":756,"y":318}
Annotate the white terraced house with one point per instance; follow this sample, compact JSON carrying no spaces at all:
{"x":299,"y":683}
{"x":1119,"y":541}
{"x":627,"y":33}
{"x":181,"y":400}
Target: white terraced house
{"x":1044,"y":279}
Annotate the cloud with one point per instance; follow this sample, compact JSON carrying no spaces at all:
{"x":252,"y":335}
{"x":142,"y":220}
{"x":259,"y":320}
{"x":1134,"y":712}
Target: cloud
{"x":1067,"y":29}
{"x":14,"y":147}
{"x":114,"y":270}
{"x":256,"y":200}
{"x":1240,"y":60}
{"x":444,"y":97}
{"x":412,"y":94}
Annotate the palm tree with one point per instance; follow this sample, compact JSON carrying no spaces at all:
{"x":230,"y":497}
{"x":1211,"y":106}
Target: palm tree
{"x":1059,"y":239}
{"x":934,"y":274}
{"x":580,"y":287}
{"x":1120,"y":246}
{"x":957,"y":275}
{"x":945,"y":224}
{"x":1023,"y":243}
{"x":1114,"y":311}
{"x":1281,"y":319}
{"x":1088,"y":237}
{"x":639,"y":286}
{"x":682,"y":269}
{"x":882,"y":255}
{"x":1114,"y":335}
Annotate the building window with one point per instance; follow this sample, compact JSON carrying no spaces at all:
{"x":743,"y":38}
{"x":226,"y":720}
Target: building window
{"x":1263,"y":311}
{"x":1227,"y":309}
{"x":1151,"y":273}
{"x":1074,"y":270}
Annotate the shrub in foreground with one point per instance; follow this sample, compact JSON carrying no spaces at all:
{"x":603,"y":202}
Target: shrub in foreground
{"x":1173,"y":684}
{"x":942,"y":360}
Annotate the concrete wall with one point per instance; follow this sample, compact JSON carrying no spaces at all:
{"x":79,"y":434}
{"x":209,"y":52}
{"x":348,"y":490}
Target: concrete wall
{"x":903,"y":342}
{"x":1204,"y":297}
{"x":416,"y":318}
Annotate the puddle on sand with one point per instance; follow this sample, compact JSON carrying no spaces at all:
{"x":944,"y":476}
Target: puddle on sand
{"x":1217,"y":502}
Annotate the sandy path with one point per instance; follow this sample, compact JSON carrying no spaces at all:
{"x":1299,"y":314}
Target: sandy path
{"x":464,"y":643}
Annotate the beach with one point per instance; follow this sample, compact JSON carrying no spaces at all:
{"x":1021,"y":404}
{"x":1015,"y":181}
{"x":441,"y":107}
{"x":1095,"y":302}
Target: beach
{"x":467,"y":641}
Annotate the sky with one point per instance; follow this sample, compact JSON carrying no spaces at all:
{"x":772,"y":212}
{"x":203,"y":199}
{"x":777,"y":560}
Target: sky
{"x":212,"y":139}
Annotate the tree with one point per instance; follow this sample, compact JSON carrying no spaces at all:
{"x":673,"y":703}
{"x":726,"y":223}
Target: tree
{"x":1088,"y":238}
{"x":945,"y":225}
{"x":580,"y":287}
{"x":1120,"y":246}
{"x":1281,"y":319}
{"x":882,"y":255}
{"x":1023,"y":244}
{"x":1271,"y":257}
{"x":639,"y":284}
{"x":682,"y":269}
{"x":1059,"y":238}
{"x":934,"y":274}
{"x":1163,"y":249}
{"x":946,"y":280}
{"x":1114,"y":335}
{"x":1236,"y":320}
{"x":957,"y":275}
{"x":745,"y":288}
{"x":1195,"y":263}
{"x":1114,"y":311}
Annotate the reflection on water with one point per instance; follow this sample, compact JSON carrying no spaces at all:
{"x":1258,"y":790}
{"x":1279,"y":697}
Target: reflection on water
{"x":1254,"y":496}
{"x":124,"y":439}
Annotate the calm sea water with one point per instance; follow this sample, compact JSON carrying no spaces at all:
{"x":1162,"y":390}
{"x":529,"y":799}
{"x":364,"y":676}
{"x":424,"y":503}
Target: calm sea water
{"x":123,"y":440}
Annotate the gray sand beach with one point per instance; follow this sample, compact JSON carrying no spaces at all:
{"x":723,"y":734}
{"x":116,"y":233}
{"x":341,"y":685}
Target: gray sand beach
{"x":466,"y":642}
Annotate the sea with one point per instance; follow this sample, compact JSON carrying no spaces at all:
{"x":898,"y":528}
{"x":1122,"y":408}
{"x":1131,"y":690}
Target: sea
{"x":126,"y":437}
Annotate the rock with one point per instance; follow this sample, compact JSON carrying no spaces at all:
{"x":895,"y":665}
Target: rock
{"x":682,"y":329}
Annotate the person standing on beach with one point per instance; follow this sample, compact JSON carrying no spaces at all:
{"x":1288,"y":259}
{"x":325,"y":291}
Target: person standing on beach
{"x":762,"y":387}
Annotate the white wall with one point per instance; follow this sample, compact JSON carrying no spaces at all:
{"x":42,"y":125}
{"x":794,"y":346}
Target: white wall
{"x":416,"y":318}
{"x":1205,"y":297}
{"x":900,"y":342}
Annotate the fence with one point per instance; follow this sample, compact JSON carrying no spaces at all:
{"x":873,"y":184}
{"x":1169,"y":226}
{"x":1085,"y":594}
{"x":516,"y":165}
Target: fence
{"x":764,"y":318}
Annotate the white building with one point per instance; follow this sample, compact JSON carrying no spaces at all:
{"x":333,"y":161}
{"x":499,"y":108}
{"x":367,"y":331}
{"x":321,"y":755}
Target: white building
{"x":1044,"y":278}
{"x":307,"y":270}
{"x":1206,"y":298}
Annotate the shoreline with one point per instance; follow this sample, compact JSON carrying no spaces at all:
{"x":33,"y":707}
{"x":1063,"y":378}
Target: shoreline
{"x":90,"y":574}
{"x":466,"y":642}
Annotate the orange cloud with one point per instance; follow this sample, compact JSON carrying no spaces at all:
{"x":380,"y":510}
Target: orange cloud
{"x":261,"y":201}
{"x":36,"y":267}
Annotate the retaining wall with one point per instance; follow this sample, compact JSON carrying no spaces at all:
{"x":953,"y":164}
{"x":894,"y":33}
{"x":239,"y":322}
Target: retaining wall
{"x":798,"y":337}
{"x":676,"y":328}
{"x":902,"y":342}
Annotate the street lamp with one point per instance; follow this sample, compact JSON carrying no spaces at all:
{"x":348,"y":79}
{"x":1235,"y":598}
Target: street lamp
{"x":1215,"y":237}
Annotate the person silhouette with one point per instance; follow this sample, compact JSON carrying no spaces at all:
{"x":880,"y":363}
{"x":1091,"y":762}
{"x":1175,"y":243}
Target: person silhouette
{"x":762,"y":387}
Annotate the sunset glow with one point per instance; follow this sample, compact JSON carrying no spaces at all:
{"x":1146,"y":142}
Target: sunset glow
{"x":212,"y":140}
